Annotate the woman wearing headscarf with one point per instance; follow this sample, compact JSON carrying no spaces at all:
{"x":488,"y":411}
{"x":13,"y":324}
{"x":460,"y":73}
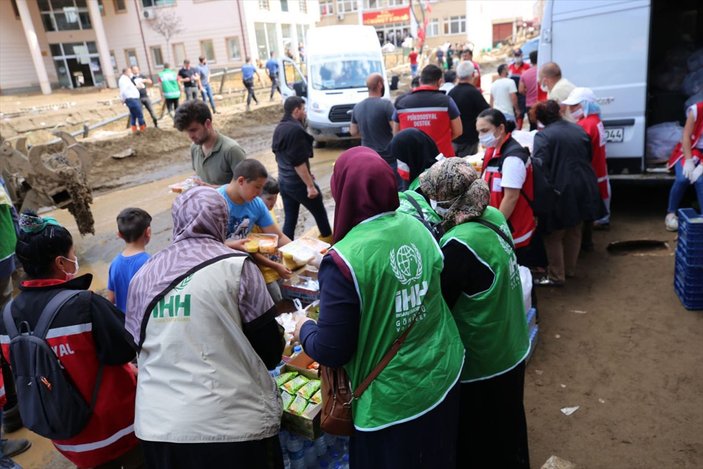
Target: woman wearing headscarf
{"x":415,"y":152}
{"x":381,"y":279}
{"x":87,"y":335}
{"x":203,"y":321}
{"x":481,"y":284}
{"x":565,"y":151}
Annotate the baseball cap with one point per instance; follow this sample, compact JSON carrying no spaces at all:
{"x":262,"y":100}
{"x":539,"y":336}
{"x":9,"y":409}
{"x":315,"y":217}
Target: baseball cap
{"x":579,"y":95}
{"x":517,"y":52}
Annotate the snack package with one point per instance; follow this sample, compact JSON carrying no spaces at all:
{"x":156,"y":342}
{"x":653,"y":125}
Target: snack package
{"x":316,"y":398}
{"x":310,"y":388}
{"x":293,"y":385}
{"x":287,"y":400}
{"x":298,"y":406}
{"x":285,"y":377}
{"x":267,"y":246}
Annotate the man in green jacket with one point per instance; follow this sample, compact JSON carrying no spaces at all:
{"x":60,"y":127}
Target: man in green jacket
{"x":170,"y":89}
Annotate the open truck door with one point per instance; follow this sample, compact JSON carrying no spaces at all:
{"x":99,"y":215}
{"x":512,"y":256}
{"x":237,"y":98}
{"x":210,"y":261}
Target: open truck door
{"x":291,"y":79}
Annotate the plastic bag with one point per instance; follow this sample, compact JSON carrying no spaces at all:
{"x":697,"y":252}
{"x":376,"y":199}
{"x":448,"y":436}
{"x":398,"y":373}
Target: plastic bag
{"x":310,"y":388}
{"x":296,"y":383}
{"x":284,"y":378}
{"x":661,"y":140}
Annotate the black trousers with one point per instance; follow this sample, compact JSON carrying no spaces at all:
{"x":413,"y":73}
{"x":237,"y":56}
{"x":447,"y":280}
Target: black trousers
{"x":249,"y":85}
{"x":427,"y":442}
{"x":146,"y":102}
{"x":258,"y":454}
{"x":171,"y":106}
{"x":492,"y":424}
{"x":296,"y":194}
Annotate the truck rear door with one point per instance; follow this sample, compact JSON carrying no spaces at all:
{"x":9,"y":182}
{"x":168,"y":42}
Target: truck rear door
{"x":604,"y":45}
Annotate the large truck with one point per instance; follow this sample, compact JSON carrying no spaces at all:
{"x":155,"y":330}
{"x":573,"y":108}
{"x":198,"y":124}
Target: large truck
{"x":625,"y":50}
{"x":338,"y":59}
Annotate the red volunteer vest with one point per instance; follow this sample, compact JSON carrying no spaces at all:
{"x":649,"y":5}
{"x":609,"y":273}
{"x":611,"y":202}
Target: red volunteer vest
{"x":596,"y":132}
{"x":677,"y":154}
{"x":427,"y":109}
{"x":522,"y":221}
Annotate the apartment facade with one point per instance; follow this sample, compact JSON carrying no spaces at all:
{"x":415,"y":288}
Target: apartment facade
{"x":74,"y":43}
{"x":394,"y":20}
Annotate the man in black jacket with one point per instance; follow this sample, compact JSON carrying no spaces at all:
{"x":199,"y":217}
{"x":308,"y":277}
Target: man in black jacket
{"x":292,"y":146}
{"x":470,"y":102}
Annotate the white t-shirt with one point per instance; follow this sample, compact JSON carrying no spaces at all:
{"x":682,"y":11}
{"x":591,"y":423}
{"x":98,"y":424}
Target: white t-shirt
{"x":500,"y":91}
{"x":693,"y":112}
{"x":514,"y":173}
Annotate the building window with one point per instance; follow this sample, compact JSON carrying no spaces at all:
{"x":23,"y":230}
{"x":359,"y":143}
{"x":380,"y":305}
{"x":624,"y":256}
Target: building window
{"x":157,"y":56}
{"x":455,"y":25}
{"x":207,"y":50}
{"x":303,"y":4}
{"x":233,"y":51}
{"x":77,"y":64}
{"x":347,"y":6}
{"x":130,"y":56}
{"x":113,"y":61}
{"x":264,"y":5}
{"x":179,"y":53}
{"x":397,"y":3}
{"x":433,"y":28}
{"x":371,"y":4}
{"x":284,"y":5}
{"x":64,"y":15}
{"x":120,"y":6}
{"x":326,"y":7}
{"x":157,"y":3}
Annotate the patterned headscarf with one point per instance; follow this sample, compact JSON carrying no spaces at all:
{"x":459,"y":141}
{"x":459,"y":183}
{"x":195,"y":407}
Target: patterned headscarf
{"x":33,"y":223}
{"x":455,"y":182}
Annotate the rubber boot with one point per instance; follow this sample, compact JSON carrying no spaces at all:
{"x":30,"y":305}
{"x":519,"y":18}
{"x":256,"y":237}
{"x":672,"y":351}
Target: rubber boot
{"x":134,"y":129}
{"x":11,"y":420}
{"x":327,"y":239}
{"x":142,"y":127}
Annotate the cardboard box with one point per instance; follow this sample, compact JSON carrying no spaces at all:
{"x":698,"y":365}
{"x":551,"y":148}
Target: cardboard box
{"x":308,"y":424}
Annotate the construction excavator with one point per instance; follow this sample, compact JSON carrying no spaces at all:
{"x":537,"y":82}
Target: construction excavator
{"x":54,"y":174}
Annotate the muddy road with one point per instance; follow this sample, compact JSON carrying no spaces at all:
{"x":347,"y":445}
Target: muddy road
{"x":614,"y":341}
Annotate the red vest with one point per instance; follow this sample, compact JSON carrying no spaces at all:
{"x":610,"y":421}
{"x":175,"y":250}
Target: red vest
{"x":522,"y":220}
{"x":596,"y":132}
{"x":677,"y":154}
{"x":427,"y":109}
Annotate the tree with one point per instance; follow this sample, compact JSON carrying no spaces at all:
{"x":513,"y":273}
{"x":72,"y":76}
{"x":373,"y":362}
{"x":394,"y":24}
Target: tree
{"x":167,"y":24}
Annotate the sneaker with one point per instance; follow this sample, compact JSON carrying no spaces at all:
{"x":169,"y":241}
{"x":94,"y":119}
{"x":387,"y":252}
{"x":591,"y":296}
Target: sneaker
{"x":671,"y":222}
{"x":14,"y":447}
{"x":7,"y":463}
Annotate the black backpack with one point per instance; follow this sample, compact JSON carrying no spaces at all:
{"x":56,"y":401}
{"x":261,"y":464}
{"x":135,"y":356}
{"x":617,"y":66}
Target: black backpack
{"x":436,"y":230}
{"x":544,"y":195}
{"x":49,"y":402}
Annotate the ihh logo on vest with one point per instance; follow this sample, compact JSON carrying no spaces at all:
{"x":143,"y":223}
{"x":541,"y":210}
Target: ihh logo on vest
{"x":406,"y":263}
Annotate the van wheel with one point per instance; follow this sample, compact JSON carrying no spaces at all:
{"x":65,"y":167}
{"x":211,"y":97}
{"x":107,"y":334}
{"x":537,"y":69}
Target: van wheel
{"x":319,"y":144}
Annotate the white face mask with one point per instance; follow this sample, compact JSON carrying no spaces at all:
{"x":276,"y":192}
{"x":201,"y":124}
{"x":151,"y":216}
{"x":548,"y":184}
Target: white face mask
{"x":577,"y":114}
{"x":71,"y":275}
{"x":441,"y":211}
{"x":488,"y":139}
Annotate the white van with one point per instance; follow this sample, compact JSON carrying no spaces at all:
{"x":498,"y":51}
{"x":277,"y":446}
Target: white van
{"x":619,"y":48}
{"x":338,"y":61}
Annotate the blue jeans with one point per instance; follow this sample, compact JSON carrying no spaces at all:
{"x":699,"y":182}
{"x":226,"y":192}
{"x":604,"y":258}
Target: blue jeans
{"x":207,"y":92}
{"x":135,"y":111}
{"x":678,"y":189}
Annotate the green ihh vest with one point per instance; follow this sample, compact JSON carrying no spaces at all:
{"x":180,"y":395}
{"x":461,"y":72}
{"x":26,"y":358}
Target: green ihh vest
{"x":406,"y":207}
{"x":169,"y":84}
{"x":492,"y":324}
{"x":396,"y":267}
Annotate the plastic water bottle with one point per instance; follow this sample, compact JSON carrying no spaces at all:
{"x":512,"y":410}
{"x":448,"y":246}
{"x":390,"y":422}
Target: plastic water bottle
{"x":323,"y":464}
{"x":296,"y":350}
{"x":321,"y":446}
{"x":330,"y":440}
{"x":343,"y":444}
{"x":343,"y":463}
{"x":283,"y":437}
{"x":296,"y":452}
{"x":310,"y":455}
{"x":286,"y":460}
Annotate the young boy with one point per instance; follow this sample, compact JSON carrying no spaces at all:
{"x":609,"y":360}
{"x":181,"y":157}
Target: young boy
{"x":134,"y":227}
{"x":247,"y":209}
{"x":269,"y":195}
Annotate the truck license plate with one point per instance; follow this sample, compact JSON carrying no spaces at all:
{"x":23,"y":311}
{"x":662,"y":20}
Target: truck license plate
{"x":615,"y":134}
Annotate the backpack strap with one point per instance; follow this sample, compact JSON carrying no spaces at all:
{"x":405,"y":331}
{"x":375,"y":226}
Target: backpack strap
{"x":51,"y":310}
{"x":10,"y":326}
{"x":416,"y":206}
{"x":495,"y":228}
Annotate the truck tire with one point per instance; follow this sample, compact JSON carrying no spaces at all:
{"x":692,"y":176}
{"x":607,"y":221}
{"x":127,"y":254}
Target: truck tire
{"x":319,"y":144}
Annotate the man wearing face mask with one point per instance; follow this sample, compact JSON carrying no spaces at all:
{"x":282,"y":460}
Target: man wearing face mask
{"x":584,"y":110}
{"x":372,"y":119}
{"x":509,"y":178}
{"x":515,"y":71}
{"x":551,"y":82}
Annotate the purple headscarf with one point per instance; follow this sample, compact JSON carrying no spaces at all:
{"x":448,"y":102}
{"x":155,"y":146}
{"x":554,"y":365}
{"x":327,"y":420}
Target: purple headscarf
{"x":199,"y":225}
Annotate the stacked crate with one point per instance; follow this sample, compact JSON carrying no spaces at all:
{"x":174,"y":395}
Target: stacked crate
{"x":688,"y":276}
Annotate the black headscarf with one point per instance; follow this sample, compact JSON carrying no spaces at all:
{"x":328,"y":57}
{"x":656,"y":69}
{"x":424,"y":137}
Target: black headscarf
{"x":414,"y":148}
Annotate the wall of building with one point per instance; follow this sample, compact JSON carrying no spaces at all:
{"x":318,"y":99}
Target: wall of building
{"x":16,"y":68}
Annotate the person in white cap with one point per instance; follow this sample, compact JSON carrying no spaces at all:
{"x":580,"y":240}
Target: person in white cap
{"x":585,"y":111}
